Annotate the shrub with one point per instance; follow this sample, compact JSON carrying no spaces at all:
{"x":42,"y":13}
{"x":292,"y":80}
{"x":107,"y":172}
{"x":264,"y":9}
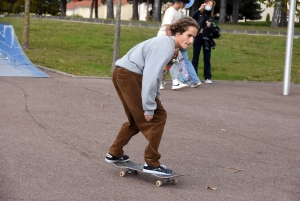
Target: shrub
{"x":268,"y":18}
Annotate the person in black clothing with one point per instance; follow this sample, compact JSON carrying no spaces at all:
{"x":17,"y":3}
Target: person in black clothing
{"x":204,"y":17}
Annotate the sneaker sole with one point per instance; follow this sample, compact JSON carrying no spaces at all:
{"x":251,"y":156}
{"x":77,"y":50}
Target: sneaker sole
{"x":116,"y":161}
{"x":195,"y":86}
{"x":181,"y":87}
{"x":155,"y":172}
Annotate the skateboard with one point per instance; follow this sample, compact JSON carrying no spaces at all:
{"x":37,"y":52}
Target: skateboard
{"x":132,"y":168}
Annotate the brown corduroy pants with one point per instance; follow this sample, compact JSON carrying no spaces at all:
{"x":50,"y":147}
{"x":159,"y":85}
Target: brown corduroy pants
{"x":129,"y":88}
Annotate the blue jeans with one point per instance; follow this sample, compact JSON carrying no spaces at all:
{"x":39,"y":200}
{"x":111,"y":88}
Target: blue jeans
{"x":190,"y":68}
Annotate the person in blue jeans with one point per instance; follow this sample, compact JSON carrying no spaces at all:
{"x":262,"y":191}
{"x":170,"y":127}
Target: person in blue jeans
{"x":191,"y":70}
{"x":172,"y":14}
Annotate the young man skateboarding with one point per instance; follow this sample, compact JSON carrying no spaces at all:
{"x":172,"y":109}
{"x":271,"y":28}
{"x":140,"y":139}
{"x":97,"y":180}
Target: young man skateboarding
{"x":137,"y":78}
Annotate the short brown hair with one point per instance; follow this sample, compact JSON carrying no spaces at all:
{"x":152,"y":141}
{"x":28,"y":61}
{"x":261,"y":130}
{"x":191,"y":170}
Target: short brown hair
{"x":182,"y":25}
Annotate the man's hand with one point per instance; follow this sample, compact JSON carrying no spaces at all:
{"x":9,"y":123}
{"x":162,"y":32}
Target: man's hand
{"x":148,"y":117}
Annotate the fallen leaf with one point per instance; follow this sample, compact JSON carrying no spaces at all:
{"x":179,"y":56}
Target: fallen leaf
{"x":102,"y":105}
{"x":210,"y":188}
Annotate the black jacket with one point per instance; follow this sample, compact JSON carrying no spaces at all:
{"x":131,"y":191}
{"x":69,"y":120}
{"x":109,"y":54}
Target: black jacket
{"x":208,"y":33}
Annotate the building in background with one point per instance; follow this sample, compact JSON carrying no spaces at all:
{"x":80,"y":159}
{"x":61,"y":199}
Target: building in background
{"x":83,"y":9}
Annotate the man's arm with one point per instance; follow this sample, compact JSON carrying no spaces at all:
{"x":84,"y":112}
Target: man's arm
{"x":168,"y":31}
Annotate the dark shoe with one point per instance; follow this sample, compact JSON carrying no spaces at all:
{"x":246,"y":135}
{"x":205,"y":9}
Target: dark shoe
{"x":157,"y":170}
{"x":112,"y":159}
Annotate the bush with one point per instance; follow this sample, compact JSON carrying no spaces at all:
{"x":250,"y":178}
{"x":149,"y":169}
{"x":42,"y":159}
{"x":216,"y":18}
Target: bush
{"x":268,"y":18}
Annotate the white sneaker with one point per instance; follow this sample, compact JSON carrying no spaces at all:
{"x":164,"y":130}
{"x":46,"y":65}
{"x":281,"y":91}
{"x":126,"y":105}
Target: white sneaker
{"x":195,"y":85}
{"x":162,"y":86}
{"x":179,"y":86}
{"x":208,"y":81}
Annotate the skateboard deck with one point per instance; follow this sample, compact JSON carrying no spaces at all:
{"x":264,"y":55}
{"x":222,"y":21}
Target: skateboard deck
{"x":132,"y":168}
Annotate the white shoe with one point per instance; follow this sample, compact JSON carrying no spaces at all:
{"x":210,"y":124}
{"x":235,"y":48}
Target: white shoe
{"x":208,"y":81}
{"x":193,"y":85}
{"x":162,"y":86}
{"x":179,"y":86}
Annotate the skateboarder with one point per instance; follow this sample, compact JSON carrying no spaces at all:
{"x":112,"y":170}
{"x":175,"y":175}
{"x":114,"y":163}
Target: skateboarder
{"x":137,"y":78}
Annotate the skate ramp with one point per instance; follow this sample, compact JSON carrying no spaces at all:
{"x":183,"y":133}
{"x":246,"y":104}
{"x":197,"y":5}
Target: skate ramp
{"x":13,"y":61}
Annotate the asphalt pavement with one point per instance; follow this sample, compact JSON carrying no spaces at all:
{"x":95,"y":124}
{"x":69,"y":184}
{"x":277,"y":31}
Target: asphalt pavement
{"x":232,"y":141}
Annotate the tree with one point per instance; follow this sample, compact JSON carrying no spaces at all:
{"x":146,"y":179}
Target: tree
{"x":283,"y":17}
{"x":135,"y":13}
{"x":235,"y":12}
{"x":195,"y":6}
{"x":280,"y":11}
{"x":96,"y":9}
{"x":156,"y":11}
{"x":4,"y":6}
{"x":25,"y":42}
{"x":52,"y":7}
{"x":117,"y":36}
{"x":110,"y":9}
{"x":63,"y":7}
{"x":276,"y":14}
{"x":223,"y":14}
{"x":92,"y":8}
{"x":251,"y":10}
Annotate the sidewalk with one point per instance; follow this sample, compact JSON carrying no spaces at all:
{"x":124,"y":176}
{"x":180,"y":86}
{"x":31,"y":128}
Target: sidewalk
{"x":239,"y":137}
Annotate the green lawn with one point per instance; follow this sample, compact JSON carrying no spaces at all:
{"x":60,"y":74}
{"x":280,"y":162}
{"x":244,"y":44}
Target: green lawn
{"x":87,"y":49}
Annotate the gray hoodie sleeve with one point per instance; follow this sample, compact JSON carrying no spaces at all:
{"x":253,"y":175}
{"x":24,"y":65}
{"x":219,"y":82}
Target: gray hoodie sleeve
{"x":155,"y":62}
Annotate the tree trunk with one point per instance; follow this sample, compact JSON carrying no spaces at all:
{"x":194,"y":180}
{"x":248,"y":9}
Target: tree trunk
{"x":156,"y":11}
{"x":63,"y":7}
{"x":110,"y":9}
{"x":96,"y":9}
{"x":92,"y":8}
{"x":135,"y":12}
{"x":276,"y":15}
{"x":25,"y":42}
{"x":283,"y":18}
{"x":147,"y":16}
{"x":222,"y":19}
{"x":195,"y":6}
{"x":235,"y":12}
{"x":117,"y":36}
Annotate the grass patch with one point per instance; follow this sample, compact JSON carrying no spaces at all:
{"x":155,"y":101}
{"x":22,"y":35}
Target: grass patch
{"x":87,"y":49}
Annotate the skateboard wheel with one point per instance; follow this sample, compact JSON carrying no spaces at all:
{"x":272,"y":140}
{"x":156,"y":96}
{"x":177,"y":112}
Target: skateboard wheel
{"x":122,"y":173}
{"x":159,"y":183}
{"x":175,"y":181}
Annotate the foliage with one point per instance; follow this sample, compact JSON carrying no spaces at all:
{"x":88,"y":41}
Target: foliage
{"x":248,"y":9}
{"x":44,"y":6}
{"x":251,"y":10}
{"x":268,"y":18}
{"x":272,"y":3}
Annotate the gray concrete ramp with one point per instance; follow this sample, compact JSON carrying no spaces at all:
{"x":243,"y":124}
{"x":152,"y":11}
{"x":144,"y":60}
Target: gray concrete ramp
{"x":13,"y":61}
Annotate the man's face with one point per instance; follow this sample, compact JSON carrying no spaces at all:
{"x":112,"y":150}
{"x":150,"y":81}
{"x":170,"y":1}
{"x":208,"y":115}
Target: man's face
{"x":182,"y":5}
{"x":187,"y":37}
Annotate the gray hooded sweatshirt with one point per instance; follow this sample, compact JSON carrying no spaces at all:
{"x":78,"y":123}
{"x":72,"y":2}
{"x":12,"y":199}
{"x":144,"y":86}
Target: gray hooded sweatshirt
{"x":149,"y":59}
